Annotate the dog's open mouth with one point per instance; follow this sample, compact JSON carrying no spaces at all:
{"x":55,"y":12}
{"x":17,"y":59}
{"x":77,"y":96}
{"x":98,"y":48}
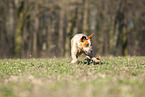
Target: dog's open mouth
{"x":89,"y":53}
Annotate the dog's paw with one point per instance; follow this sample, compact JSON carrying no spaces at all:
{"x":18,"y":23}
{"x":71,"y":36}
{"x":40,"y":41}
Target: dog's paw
{"x":97,"y":60}
{"x":75,"y":61}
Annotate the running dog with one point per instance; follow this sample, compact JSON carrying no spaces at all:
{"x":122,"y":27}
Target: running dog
{"x":81,"y":43}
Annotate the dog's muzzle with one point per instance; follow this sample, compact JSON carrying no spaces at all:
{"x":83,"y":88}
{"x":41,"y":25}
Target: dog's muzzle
{"x":89,"y":52}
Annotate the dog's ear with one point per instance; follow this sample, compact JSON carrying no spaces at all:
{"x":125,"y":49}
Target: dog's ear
{"x":89,"y":37}
{"x":83,"y":38}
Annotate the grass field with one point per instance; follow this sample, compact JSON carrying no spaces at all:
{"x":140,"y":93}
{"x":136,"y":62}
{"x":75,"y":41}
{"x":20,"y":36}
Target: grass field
{"x":117,"y":77}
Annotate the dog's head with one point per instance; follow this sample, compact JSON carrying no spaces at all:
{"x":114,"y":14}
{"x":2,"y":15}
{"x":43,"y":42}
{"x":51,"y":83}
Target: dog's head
{"x":86,"y":44}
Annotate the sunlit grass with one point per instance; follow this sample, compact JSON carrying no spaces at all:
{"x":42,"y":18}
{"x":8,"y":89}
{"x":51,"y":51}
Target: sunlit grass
{"x":117,"y":77}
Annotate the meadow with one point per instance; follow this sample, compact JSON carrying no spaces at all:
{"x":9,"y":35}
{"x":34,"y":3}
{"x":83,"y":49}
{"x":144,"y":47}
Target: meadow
{"x":117,"y":77}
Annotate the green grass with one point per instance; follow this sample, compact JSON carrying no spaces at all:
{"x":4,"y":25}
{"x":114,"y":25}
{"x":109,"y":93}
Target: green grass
{"x":117,"y":77}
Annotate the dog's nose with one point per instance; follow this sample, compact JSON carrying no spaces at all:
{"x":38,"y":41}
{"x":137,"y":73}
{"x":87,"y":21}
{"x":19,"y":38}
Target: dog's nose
{"x":91,"y":51}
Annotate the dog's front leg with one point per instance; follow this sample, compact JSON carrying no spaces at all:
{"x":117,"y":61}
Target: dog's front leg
{"x":74,"y":55}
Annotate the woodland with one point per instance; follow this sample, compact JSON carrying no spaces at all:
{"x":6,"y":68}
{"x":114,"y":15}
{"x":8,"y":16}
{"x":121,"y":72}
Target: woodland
{"x":44,"y":28}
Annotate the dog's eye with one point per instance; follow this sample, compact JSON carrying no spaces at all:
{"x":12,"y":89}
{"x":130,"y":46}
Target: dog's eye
{"x":87,"y":45}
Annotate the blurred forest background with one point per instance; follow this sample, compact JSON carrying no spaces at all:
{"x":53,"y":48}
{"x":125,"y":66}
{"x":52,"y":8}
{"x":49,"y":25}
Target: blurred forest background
{"x":44,"y":28}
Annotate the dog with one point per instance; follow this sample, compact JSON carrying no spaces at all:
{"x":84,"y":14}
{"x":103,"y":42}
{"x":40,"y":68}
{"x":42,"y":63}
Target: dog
{"x":81,"y":43}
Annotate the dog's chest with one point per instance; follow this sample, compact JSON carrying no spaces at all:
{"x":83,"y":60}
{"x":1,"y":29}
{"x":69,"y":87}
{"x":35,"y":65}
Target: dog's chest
{"x":79,"y":52}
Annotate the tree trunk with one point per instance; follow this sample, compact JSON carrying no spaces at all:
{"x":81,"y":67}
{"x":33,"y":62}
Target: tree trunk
{"x":18,"y":40}
{"x":61,"y":34}
{"x":35,"y":37}
{"x":85,"y":16}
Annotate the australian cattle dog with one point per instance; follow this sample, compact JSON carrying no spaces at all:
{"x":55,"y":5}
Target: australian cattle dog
{"x":81,"y":43}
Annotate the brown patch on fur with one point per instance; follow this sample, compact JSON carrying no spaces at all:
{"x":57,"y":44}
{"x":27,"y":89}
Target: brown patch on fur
{"x":83,"y":38}
{"x":85,"y":43}
{"x":97,"y":60}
